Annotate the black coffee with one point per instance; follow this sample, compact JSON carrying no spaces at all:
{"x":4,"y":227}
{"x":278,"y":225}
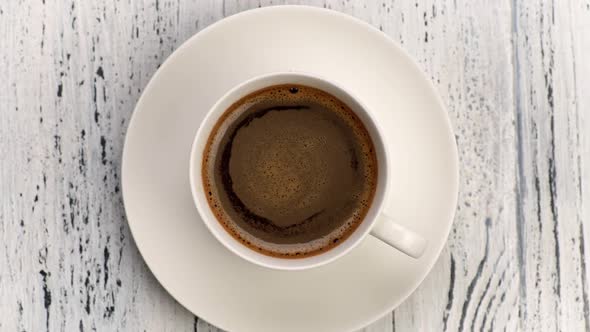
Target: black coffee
{"x":290,"y":171}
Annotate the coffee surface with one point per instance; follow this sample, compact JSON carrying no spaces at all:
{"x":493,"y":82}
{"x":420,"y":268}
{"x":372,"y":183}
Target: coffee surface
{"x":290,"y":171}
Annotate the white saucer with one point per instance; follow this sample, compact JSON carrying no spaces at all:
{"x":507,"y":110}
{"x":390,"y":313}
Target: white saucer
{"x":222,"y":288}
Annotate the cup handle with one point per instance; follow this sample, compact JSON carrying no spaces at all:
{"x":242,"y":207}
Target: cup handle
{"x":399,"y":237}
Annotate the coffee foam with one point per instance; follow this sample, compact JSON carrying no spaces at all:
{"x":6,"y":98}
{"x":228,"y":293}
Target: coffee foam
{"x":284,"y":94}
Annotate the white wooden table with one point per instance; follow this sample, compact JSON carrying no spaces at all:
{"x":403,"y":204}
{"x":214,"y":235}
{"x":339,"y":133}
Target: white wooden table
{"x":514,"y":74}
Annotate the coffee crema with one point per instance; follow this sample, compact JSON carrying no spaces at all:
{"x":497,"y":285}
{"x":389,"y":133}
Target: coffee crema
{"x":289,"y":171}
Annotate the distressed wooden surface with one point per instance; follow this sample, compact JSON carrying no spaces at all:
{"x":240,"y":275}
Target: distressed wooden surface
{"x":514,"y":74}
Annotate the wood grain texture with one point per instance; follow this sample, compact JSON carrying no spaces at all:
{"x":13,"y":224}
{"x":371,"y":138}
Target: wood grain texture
{"x":514,"y":75}
{"x":552,"y":138}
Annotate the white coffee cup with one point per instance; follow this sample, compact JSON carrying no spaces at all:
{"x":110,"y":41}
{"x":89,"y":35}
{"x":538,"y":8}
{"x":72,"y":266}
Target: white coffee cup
{"x":376,"y":222}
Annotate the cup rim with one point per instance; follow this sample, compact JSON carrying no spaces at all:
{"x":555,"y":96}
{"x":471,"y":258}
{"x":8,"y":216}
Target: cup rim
{"x":235,"y":246}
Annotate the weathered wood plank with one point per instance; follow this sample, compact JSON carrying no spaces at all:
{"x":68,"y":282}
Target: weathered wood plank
{"x":551,"y":55}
